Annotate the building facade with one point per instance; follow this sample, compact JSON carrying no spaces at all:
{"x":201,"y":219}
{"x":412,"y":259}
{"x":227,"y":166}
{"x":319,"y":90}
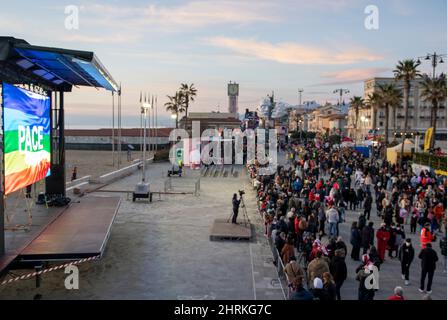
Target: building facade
{"x":330,"y":118}
{"x":418,"y":114}
{"x":211,"y":120}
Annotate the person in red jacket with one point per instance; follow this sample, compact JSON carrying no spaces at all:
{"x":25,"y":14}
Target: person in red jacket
{"x":426,"y":235}
{"x":383,"y":236}
{"x":398,"y":294}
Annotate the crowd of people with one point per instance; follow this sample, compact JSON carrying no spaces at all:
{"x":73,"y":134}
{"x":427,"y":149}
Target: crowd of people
{"x":304,"y":203}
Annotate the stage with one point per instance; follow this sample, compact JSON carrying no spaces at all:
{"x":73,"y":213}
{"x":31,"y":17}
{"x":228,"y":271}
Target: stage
{"x":78,"y":231}
{"x":224,"y":230}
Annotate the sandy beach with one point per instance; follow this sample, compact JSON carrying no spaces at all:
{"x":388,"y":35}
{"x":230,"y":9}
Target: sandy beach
{"x":94,"y":163}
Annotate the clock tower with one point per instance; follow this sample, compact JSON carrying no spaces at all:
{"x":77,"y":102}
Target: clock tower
{"x":233,"y":93}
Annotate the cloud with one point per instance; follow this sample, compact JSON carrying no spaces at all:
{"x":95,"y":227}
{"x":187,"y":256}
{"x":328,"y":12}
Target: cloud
{"x":112,"y":39}
{"x":193,"y":14}
{"x":353,"y":75}
{"x":293,"y":53}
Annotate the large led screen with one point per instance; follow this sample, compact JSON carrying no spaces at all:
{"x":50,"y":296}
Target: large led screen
{"x":26,"y":121}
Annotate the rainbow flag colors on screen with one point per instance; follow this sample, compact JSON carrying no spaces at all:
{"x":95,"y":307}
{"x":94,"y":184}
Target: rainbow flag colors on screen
{"x":27,"y":147}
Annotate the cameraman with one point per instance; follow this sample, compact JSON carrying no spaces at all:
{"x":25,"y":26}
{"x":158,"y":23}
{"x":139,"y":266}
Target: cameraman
{"x":236,"y":204}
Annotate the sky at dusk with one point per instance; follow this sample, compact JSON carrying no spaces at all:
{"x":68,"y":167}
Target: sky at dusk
{"x":153,"y":46}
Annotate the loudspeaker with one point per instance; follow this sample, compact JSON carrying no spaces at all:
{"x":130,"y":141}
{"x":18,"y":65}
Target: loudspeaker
{"x":55,"y":183}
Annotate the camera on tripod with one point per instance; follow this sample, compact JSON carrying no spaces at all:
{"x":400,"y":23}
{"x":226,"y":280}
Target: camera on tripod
{"x":241,"y":193}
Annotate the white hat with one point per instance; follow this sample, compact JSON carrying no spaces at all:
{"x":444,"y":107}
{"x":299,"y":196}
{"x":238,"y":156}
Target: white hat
{"x":318,"y":284}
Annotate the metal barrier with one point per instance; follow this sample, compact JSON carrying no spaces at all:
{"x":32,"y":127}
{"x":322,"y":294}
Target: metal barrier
{"x":168,"y":185}
{"x":282,"y":276}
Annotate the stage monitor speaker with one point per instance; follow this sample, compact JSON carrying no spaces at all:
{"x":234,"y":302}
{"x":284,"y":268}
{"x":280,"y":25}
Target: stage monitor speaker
{"x":55,"y":183}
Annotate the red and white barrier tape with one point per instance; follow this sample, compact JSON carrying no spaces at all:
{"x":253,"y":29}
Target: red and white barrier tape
{"x":62,"y":266}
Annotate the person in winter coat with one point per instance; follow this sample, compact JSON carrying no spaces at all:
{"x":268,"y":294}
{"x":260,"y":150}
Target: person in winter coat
{"x":329,"y":286}
{"x":426,"y":235}
{"x":364,"y":293}
{"x":374,"y":257}
{"x":312,"y":225}
{"x":368,"y":237}
{"x":352,"y":198}
{"x":388,"y":215}
{"x":392,"y":241}
{"x":398,"y":294}
{"x":443,"y":245}
{"x":318,"y":290}
{"x":414,"y":221}
{"x":339,"y":271}
{"x":406,"y":256}
{"x":383,"y":236}
{"x":341,"y":245}
{"x":280,"y":240}
{"x":367,"y":205}
{"x":360,"y":197}
{"x":321,"y":221}
{"x":288,"y":251}
{"x":356,"y":241}
{"x":331,"y":247}
{"x":428,"y":257}
{"x":299,"y":292}
{"x":332,"y":218}
{"x":400,"y":236}
{"x":317,"y":267}
{"x":293,"y":270}
{"x":362,"y":222}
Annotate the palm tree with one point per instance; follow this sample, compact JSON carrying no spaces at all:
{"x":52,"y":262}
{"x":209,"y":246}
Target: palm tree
{"x":188,"y":92}
{"x":175,"y":105}
{"x":389,"y":97}
{"x":374,"y":102}
{"x":435,"y":92}
{"x":406,"y":70}
{"x":394,"y":112}
{"x":357,"y":103}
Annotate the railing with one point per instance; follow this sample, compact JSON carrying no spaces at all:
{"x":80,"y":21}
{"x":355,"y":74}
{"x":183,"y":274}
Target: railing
{"x":168,"y":186}
{"x":282,"y":276}
{"x":436,"y":162}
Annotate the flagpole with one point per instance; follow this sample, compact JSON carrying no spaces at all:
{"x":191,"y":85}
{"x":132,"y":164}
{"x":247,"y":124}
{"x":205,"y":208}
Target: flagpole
{"x":119,"y":127}
{"x":141,"y":123}
{"x":156,"y":124}
{"x":113,"y":128}
{"x":149,"y":122}
{"x":153,"y":123}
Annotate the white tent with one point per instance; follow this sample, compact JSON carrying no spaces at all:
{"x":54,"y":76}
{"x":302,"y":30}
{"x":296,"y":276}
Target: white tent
{"x":393,"y":152}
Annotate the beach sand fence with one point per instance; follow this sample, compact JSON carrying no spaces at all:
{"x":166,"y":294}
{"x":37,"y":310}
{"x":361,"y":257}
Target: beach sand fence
{"x":186,"y":185}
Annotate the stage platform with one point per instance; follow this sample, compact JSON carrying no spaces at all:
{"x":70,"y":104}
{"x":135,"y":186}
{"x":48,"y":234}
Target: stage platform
{"x":81,"y":231}
{"x":224,"y":230}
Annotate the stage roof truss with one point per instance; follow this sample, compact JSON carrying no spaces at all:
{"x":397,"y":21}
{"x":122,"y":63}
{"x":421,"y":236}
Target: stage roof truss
{"x":55,"y":68}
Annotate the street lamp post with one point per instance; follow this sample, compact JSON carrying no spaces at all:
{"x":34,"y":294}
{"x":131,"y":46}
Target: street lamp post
{"x":142,"y":189}
{"x":435,"y":60}
{"x":341,"y":91}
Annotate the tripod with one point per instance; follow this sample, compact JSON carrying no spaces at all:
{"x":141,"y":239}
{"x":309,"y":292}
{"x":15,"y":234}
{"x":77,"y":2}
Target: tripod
{"x":244,"y":213}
